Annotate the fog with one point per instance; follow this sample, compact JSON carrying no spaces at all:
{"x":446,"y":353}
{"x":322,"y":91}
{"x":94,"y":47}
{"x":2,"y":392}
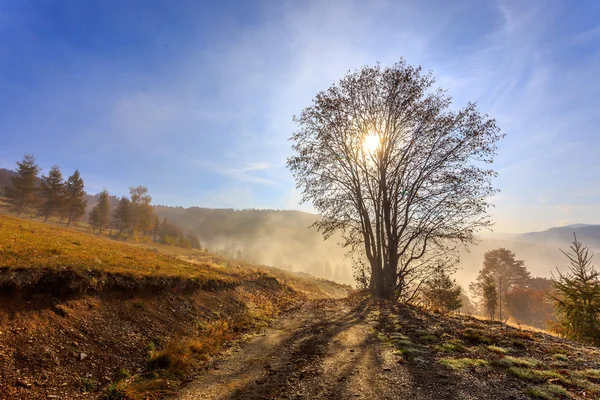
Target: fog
{"x":283,"y":239}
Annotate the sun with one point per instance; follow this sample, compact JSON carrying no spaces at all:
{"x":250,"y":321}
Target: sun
{"x":371,"y":143}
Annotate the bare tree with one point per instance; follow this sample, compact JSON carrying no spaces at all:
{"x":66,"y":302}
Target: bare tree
{"x":385,"y":161}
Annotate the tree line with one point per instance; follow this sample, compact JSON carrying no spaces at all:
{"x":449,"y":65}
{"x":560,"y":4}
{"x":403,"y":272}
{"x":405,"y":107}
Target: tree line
{"x":568,"y":303}
{"x":51,"y":196}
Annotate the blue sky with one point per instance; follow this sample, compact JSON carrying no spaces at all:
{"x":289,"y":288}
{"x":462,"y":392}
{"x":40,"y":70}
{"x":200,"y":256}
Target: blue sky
{"x":195,"y":99}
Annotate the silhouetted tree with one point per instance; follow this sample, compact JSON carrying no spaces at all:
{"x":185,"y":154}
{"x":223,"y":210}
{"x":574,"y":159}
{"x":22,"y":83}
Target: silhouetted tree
{"x":121,"y":216}
{"x":489,"y":296}
{"x":501,"y":266}
{"x":102,"y":210}
{"x":75,"y":201}
{"x":383,"y":159}
{"x":21,"y":196}
{"x":441,"y":292}
{"x":94,"y":219}
{"x":577,"y":297}
{"x":52,"y":193}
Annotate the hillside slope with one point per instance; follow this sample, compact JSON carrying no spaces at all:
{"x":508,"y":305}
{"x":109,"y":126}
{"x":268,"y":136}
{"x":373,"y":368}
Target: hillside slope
{"x":85,"y":317}
{"x":357,"y":348}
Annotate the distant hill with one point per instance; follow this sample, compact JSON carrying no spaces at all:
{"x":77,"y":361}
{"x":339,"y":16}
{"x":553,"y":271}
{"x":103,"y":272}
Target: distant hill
{"x":587,"y":234}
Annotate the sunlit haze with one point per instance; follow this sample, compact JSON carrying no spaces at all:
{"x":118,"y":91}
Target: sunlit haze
{"x":195,"y":99}
{"x":371,"y":143}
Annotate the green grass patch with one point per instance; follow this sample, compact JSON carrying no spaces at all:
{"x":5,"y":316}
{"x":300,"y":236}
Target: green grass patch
{"x":450,"y":348}
{"x":522,"y":362}
{"x":476,"y":336}
{"x":462,"y":363}
{"x":548,"y":392}
{"x":497,"y":349}
{"x":534,"y":375}
{"x":560,"y":357}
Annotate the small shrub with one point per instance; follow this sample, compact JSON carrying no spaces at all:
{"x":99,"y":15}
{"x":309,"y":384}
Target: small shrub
{"x":87,"y":385}
{"x":115,"y":391}
{"x":123,"y":374}
{"x":161,"y":360}
{"x":151,"y":346}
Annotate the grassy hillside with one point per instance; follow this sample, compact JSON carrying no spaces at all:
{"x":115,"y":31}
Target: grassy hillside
{"x":474,"y":355}
{"x":86,"y":317}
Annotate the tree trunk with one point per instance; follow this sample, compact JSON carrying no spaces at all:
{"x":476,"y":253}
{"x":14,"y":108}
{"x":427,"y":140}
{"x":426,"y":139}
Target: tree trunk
{"x":389,"y":282}
{"x":376,"y":286}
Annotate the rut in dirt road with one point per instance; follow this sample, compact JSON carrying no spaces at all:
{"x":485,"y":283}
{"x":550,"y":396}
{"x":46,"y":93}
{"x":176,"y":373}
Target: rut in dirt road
{"x":328,"y":349}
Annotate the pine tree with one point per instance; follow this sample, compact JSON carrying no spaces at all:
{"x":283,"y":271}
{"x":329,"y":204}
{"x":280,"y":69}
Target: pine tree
{"x":22,"y":195}
{"x":577,"y":298}
{"x":441,"y":293}
{"x":121,"y":216}
{"x":52,"y":193}
{"x":103,"y":210}
{"x":75,"y":202}
{"x":93,"y":219}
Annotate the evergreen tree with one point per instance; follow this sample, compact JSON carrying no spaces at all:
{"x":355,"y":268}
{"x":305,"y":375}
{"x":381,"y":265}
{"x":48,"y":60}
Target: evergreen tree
{"x":441,"y":293}
{"x":94,"y":219}
{"x":22,"y":195}
{"x":75,"y":202}
{"x":52,"y":193}
{"x":577,"y":298}
{"x":103,"y":210}
{"x":121,"y":216}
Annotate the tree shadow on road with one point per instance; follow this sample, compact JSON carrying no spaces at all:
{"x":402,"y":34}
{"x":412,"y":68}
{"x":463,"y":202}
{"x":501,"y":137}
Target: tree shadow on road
{"x":299,"y":356}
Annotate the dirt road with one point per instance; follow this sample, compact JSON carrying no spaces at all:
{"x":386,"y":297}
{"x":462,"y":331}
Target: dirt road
{"x":327,"y":350}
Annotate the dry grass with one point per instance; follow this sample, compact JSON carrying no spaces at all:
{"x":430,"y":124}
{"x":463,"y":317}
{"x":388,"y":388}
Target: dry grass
{"x":177,"y":331}
{"x":29,"y":245}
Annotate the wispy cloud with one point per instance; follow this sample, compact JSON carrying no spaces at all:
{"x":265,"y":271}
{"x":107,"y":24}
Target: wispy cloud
{"x":200,"y":109}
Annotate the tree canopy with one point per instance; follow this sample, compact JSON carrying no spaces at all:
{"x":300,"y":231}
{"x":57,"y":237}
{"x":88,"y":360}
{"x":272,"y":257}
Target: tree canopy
{"x":385,"y":160}
{"x":75,"y":202}
{"x":501,"y":264}
{"x":53,"y":192}
{"x":22,"y":194}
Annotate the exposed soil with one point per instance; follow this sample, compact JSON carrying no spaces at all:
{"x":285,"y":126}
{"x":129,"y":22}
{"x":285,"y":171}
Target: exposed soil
{"x":347,"y":349}
{"x":76,"y":347}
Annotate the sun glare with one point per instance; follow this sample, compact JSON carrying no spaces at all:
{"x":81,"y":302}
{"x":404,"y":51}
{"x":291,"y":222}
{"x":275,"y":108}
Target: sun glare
{"x":371,"y":143}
